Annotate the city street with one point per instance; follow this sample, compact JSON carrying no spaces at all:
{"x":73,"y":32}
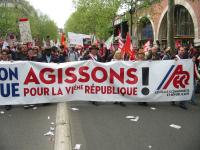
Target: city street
{"x":105,"y":127}
{"x":24,"y":129}
{"x":103,"y":75}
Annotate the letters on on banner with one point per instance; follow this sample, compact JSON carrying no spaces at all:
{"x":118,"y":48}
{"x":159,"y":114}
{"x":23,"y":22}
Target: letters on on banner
{"x":144,"y":81}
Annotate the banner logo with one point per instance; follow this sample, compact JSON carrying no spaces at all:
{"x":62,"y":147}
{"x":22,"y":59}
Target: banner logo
{"x":179,"y":78}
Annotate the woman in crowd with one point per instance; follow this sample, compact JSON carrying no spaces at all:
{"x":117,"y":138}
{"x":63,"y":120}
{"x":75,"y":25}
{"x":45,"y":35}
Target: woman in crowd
{"x":118,"y":57}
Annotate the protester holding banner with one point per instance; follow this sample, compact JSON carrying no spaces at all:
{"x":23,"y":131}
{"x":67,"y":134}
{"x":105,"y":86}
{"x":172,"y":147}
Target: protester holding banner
{"x":93,"y":55}
{"x":31,"y":55}
{"x":140,"y":56}
{"x":37,"y":52}
{"x":167,"y":54}
{"x":197,"y":74}
{"x":48,"y":57}
{"x":72,"y":55}
{"x":194,"y":54}
{"x":102,"y":52}
{"x":118,"y":57}
{"x":153,"y":54}
{"x":62,"y":55}
{"x":22,"y":52}
{"x":181,"y":55}
{"x":4,"y":57}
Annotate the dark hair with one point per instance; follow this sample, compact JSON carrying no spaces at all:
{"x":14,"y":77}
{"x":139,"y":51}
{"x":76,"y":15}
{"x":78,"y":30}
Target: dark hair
{"x":4,"y":51}
{"x":157,"y":42}
{"x":93,"y":47}
{"x":54,"y":48}
{"x":62,"y":46}
{"x":8,"y":47}
{"x":101,"y":45}
{"x":48,"y":49}
{"x":30,"y":49}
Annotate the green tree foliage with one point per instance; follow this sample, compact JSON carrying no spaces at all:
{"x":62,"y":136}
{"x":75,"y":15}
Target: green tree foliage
{"x":92,"y":16}
{"x":44,"y":26}
{"x":41,"y":25}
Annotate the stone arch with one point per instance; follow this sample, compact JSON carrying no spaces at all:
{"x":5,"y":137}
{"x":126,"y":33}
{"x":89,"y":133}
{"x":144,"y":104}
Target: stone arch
{"x":152,"y":25}
{"x":190,"y":10}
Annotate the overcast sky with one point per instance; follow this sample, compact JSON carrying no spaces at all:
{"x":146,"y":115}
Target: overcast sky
{"x":58,"y":10}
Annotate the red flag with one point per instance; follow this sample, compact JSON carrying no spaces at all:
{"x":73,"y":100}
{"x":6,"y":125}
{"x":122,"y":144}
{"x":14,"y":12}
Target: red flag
{"x":128,"y":47}
{"x":63,"y":41}
{"x":112,"y":47}
{"x":146,"y":46}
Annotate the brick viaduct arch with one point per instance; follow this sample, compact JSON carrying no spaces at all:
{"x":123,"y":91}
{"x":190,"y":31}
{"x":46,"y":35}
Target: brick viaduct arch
{"x":192,"y":13}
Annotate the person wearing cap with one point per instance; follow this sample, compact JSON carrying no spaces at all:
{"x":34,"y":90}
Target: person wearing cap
{"x":93,"y":54}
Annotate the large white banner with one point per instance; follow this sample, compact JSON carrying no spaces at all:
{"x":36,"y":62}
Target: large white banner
{"x":77,"y":39}
{"x":144,"y":81}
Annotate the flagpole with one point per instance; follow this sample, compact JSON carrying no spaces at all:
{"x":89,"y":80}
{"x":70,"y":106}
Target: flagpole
{"x":113,"y":28}
{"x":121,"y":26}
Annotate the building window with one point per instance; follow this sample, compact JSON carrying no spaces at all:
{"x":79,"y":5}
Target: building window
{"x":183,"y":22}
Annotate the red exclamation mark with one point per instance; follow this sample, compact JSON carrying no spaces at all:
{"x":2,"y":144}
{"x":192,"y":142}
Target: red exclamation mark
{"x":145,"y":80}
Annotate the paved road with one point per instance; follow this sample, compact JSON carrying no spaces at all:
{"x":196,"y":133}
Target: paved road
{"x":105,"y":127}
{"x":22,"y":129}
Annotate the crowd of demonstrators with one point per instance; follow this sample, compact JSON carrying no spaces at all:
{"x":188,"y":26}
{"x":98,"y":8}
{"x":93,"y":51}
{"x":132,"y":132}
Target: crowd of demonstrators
{"x":182,"y":52}
{"x":55,"y":53}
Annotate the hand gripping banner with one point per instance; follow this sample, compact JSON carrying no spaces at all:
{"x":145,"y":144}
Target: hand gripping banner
{"x":144,"y":81}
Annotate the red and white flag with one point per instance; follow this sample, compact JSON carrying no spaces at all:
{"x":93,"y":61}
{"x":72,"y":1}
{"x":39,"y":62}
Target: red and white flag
{"x":109,"y":43}
{"x":94,"y":40}
{"x":146,"y":46}
{"x":120,"y":41}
